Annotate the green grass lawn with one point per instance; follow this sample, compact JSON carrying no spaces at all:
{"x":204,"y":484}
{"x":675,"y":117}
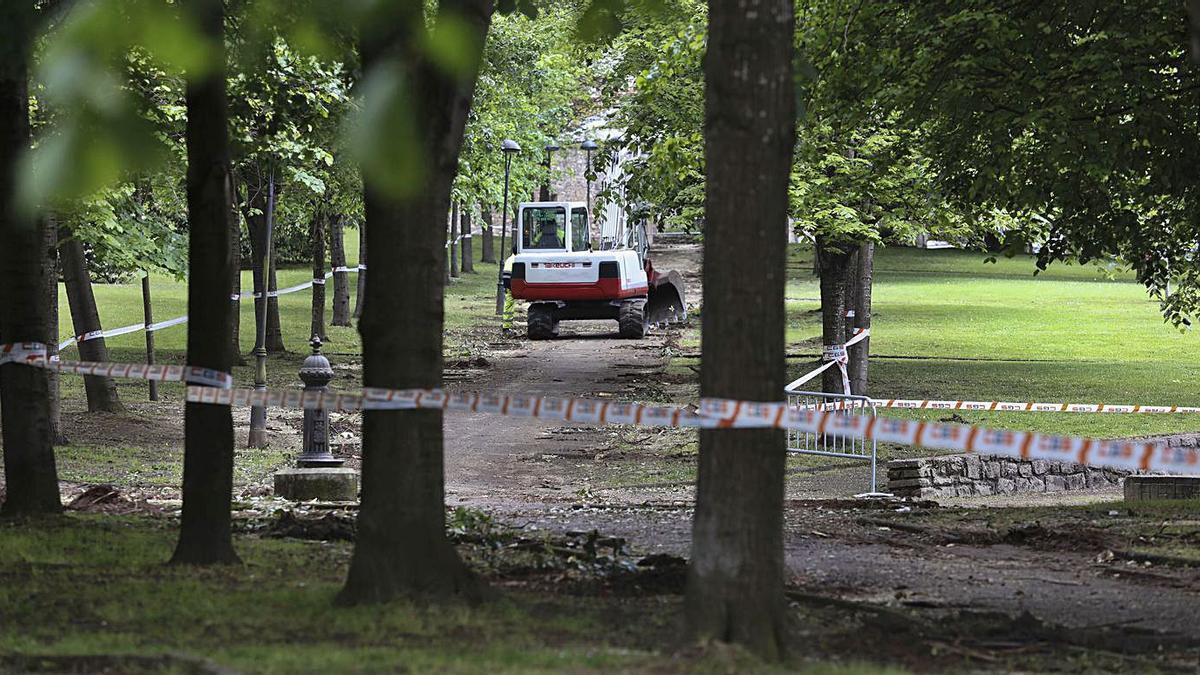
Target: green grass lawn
{"x":470,"y":299}
{"x":946,"y":325}
{"x":983,"y":331}
{"x":90,"y":593}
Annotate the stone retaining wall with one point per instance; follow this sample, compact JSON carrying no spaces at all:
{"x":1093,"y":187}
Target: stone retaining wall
{"x":971,"y":475}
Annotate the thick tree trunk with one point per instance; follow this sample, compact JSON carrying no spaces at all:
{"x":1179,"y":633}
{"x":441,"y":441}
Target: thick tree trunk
{"x":468,"y":255}
{"x":51,"y":267}
{"x":860,"y":353}
{"x":31,"y":478}
{"x":835,"y":273}
{"x":317,"y":235}
{"x":26,"y":421}
{"x":401,"y":548}
{"x":85,"y":317}
{"x":735,"y":578}
{"x":488,"y":252}
{"x":205,"y":532}
{"x":361,"y":287}
{"x":341,"y":280}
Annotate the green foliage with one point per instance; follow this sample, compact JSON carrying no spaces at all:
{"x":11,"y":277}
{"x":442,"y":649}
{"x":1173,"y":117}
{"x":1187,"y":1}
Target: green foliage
{"x":531,"y":88}
{"x":857,"y":176}
{"x":98,"y":136}
{"x":1076,"y":118}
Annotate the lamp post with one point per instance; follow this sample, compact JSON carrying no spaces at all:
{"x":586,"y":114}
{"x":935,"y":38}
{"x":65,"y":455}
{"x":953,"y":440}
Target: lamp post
{"x":258,"y":414}
{"x":509,"y":147}
{"x":588,"y":146}
{"x":550,"y":148}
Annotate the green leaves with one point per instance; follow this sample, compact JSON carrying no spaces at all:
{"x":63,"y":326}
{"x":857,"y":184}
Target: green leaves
{"x":98,"y":133}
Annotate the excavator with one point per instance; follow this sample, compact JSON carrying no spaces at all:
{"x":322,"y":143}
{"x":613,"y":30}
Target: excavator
{"x":564,"y":276}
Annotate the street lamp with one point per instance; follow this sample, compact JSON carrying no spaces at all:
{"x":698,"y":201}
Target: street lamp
{"x":509,"y":147}
{"x":258,"y":414}
{"x":550,"y":148}
{"x":589,"y":146}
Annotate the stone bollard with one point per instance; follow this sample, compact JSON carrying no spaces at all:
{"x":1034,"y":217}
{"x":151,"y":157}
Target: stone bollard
{"x":318,"y":474}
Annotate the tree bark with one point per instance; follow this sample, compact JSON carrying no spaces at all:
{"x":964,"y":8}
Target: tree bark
{"x":235,"y":283}
{"x":488,"y":252}
{"x":205,"y":528}
{"x":452,"y":228}
{"x":260,"y":217}
{"x":85,"y":317}
{"x":468,"y":255}
{"x":361,"y":287}
{"x":401,"y":548}
{"x":835,"y":272}
{"x":860,"y":353}
{"x":317,"y":235}
{"x":51,"y":268}
{"x":341,"y":280}
{"x":274,"y":328}
{"x":735,"y":577}
{"x":31,"y":478}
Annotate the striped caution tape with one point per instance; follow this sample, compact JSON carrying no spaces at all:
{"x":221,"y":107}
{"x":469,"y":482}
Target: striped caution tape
{"x":1129,"y":455}
{"x":1010,"y":406}
{"x":35,"y":354}
{"x":136,"y":327}
{"x":832,"y":355}
{"x":208,"y":386}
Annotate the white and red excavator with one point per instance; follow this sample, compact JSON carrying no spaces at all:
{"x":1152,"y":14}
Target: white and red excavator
{"x":563,"y":276}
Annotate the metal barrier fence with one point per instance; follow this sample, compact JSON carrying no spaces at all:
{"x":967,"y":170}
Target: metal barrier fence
{"x":807,"y":443}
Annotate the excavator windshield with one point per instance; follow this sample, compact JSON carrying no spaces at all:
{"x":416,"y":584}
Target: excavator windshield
{"x":544,"y":228}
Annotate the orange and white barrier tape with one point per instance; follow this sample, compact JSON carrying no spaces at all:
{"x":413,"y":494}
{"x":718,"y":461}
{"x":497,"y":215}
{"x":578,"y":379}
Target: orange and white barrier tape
{"x":833,"y":355}
{"x":1130,"y":455}
{"x":1011,"y":406}
{"x":35,"y":354}
{"x":712,"y":414}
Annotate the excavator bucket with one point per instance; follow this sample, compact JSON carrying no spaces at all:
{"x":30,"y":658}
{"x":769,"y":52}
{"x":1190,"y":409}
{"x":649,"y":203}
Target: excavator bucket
{"x":665,"y":303}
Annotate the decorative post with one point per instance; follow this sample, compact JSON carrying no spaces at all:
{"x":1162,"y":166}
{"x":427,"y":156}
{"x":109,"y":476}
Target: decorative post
{"x":318,"y":474}
{"x":316,"y":373}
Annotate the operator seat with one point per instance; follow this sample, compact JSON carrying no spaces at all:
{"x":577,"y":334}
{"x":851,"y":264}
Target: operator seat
{"x":549,"y":235}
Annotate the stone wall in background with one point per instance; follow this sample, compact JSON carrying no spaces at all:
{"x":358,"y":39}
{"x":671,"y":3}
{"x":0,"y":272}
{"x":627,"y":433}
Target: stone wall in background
{"x":972,"y":475}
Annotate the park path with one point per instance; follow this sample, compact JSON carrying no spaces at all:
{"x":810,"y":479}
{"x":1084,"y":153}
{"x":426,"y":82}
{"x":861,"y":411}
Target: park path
{"x":527,"y":472}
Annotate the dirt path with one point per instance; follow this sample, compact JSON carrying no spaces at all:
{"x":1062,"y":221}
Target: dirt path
{"x":545,"y":477}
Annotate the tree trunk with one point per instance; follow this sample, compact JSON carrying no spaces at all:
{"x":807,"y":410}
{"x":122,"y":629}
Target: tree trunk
{"x":51,"y":267}
{"x":835,"y":272}
{"x":735,"y":578}
{"x":452,"y":228}
{"x":361,"y":287}
{"x":274,"y":329}
{"x":468,"y":255}
{"x":860,"y":354}
{"x":401,"y":548}
{"x":317,"y":235}
{"x":235,"y":283}
{"x":341,"y":280}
{"x":488,"y":253}
{"x":31,"y":478}
{"x":205,"y":532}
{"x":255,"y":214}
{"x":85,"y":317}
